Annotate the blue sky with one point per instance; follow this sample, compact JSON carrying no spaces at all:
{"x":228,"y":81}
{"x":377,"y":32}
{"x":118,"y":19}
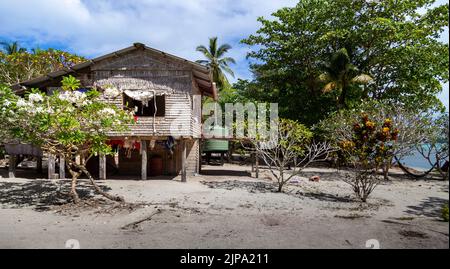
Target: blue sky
{"x":92,"y":28}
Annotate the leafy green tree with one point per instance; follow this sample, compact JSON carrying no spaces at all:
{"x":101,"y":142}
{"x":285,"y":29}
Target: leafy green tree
{"x":68,"y":123}
{"x":216,"y":60}
{"x":391,"y":41}
{"x":21,"y":66}
{"x":11,"y":48}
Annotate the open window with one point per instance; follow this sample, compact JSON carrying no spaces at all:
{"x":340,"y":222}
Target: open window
{"x":146,"y":107}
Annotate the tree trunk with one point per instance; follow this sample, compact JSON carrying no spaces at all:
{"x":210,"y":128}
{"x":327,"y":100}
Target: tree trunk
{"x":386,"y":168}
{"x":98,"y":189}
{"x":280,"y":187}
{"x":73,"y":186}
{"x":341,"y":101}
{"x":281,"y":181}
{"x":73,"y":190}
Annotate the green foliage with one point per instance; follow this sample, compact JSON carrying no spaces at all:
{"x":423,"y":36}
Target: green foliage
{"x":66,"y":123}
{"x":22,"y":65}
{"x":414,"y":125}
{"x":445,"y":213}
{"x":216,"y":60}
{"x":371,"y":143}
{"x":342,"y":76}
{"x":291,"y":145}
{"x":390,"y":41}
{"x":11,"y":48}
{"x":70,"y":83}
{"x":294,"y":136}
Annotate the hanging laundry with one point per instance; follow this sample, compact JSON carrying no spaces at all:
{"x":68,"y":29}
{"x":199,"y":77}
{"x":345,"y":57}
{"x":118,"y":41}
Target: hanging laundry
{"x":152,"y":144}
{"x":128,"y":146}
{"x":169,"y":144}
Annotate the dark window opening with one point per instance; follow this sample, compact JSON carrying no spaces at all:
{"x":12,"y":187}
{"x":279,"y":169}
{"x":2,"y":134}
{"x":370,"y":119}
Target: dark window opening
{"x":146,"y":111}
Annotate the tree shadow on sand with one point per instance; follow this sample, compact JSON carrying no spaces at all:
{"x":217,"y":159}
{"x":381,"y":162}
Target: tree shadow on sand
{"x":430,"y":207}
{"x":326,"y":197}
{"x":265,"y":187}
{"x":41,"y":194}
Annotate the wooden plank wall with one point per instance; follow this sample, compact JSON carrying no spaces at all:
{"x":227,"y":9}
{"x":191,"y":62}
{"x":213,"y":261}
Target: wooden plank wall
{"x":147,"y":71}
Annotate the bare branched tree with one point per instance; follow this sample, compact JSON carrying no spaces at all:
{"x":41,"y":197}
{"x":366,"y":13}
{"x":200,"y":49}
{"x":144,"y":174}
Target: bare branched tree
{"x":435,"y":148}
{"x":292,"y":147}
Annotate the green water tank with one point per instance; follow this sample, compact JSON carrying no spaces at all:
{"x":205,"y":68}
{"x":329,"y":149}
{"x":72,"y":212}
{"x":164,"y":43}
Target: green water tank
{"x":215,"y":145}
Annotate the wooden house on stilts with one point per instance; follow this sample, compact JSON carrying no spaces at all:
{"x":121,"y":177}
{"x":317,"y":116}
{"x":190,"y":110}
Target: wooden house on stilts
{"x":165,"y":91}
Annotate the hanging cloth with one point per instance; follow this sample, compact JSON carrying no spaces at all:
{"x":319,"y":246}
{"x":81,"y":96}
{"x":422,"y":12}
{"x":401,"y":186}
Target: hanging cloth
{"x":143,"y":96}
{"x":140,"y":95}
{"x":169,"y":144}
{"x":152,"y":144}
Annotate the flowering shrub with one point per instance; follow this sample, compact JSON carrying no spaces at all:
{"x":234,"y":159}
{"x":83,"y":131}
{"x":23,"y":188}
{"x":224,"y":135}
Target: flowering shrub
{"x":68,"y":123}
{"x":371,"y":144}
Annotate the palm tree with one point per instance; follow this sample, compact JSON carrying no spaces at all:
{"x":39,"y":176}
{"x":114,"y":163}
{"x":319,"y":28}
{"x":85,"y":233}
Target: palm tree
{"x":11,"y":48}
{"x":217,"y":62}
{"x":37,"y":50}
{"x":340,"y":74}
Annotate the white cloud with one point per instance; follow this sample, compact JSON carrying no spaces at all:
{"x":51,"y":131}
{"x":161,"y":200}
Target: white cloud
{"x":92,"y":28}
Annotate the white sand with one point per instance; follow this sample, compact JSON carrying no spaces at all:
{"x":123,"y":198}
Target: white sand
{"x":313,"y":215}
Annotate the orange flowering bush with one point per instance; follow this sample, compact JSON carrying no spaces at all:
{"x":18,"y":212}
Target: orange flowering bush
{"x":370,"y":146}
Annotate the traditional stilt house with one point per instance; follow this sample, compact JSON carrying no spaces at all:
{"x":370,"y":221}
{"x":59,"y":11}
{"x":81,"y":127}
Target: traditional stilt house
{"x":166,"y":93}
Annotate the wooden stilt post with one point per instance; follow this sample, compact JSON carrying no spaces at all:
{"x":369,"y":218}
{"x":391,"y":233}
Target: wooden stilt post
{"x":51,"y":166}
{"x":183,"y":162}
{"x":62,"y":167}
{"x":144,"y":159}
{"x":200,"y":149}
{"x":252,"y":160}
{"x":257,"y":165}
{"x":39,"y":165}
{"x":102,"y":167}
{"x":12,"y":166}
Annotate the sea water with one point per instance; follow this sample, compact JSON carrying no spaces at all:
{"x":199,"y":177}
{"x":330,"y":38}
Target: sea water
{"x":417,"y":161}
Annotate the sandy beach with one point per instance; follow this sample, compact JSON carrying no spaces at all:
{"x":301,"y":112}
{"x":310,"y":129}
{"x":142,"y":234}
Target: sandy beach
{"x":225,"y":208}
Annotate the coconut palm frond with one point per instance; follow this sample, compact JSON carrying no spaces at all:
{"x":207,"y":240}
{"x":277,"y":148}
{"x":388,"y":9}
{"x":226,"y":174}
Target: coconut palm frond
{"x":205,"y":52}
{"x":213,"y":46}
{"x":215,"y":60}
{"x":203,"y":62}
{"x":329,"y":87}
{"x":11,"y":48}
{"x":339,"y":74}
{"x":222,"y":50}
{"x":228,"y":70}
{"x":227,"y":60}
{"x":362,"y":79}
